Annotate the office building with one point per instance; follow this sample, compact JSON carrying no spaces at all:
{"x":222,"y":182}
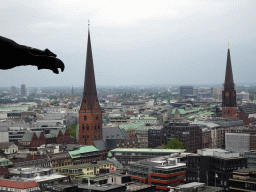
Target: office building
{"x":161,"y":172}
{"x":23,"y":90}
{"x":13,"y":91}
{"x":186,"y":90}
{"x":213,"y":167}
{"x":243,"y":180}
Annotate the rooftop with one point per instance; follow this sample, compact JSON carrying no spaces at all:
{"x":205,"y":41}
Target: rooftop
{"x":217,"y":153}
{"x":105,"y":187}
{"x":85,"y":149}
{"x":146,"y":150}
{"x":18,"y":184}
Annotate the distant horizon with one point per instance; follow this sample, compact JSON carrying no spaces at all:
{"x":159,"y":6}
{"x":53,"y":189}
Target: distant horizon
{"x":136,"y":86}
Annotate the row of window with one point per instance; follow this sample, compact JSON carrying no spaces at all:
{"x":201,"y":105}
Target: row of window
{"x":85,"y":118}
{"x":88,"y":127}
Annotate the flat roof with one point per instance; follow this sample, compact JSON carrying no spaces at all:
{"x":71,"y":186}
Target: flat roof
{"x":146,"y":150}
{"x":47,"y":177}
{"x":101,"y":187}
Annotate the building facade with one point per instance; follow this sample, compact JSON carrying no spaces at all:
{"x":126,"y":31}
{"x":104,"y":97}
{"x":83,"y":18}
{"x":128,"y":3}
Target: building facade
{"x":189,"y":134}
{"x":251,"y":158}
{"x":186,"y":90}
{"x":23,"y":90}
{"x":213,"y":167}
{"x":159,"y":172}
{"x":126,"y":156}
{"x":243,"y":180}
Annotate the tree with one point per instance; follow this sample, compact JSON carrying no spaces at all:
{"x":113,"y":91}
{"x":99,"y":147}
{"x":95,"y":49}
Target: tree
{"x":72,"y":130}
{"x":174,"y":144}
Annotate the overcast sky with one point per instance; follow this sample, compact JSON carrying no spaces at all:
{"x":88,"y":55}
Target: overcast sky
{"x":134,"y":42}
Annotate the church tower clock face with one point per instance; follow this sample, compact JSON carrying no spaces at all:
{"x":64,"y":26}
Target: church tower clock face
{"x":227,"y":94}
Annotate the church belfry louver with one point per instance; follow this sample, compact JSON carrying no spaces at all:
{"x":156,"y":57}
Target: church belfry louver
{"x":229,"y":106}
{"x":90,"y":114}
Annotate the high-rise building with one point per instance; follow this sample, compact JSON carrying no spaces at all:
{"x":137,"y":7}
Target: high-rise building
{"x":72,"y":91}
{"x":229,"y":106}
{"x":13,"y":91}
{"x":186,"y":90}
{"x":23,"y":90}
{"x":90,"y":114}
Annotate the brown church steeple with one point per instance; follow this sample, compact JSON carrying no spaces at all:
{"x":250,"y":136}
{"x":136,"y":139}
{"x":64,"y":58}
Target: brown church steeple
{"x":229,"y":82}
{"x":90,"y":115}
{"x":229,"y":106}
{"x":90,"y":98}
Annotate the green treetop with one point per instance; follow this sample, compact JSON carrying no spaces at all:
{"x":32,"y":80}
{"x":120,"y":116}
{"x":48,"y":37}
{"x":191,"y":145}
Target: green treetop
{"x":174,"y":144}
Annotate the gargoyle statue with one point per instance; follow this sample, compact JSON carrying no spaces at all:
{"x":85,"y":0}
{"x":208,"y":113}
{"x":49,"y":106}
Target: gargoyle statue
{"x":14,"y":55}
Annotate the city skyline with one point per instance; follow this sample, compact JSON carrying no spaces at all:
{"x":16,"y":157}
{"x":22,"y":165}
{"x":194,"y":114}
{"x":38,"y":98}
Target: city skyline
{"x":183,"y":42}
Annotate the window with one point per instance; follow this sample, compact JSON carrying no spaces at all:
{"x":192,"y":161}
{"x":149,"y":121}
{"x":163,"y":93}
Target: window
{"x":83,"y":127}
{"x":85,"y":118}
{"x":88,"y":127}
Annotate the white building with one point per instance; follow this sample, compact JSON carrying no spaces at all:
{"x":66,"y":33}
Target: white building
{"x":237,"y":142}
{"x":244,"y":96}
{"x":9,"y":147}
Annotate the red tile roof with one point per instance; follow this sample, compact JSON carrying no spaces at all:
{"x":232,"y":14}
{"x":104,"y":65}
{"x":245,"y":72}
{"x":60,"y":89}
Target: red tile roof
{"x":17,"y":184}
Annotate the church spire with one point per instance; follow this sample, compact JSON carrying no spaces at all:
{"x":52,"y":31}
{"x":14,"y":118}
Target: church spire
{"x":229,"y":105}
{"x":229,"y":75}
{"x":90,"y":93}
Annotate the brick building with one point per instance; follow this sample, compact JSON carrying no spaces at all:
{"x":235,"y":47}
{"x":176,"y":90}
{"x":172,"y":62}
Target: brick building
{"x":31,"y":160}
{"x":60,"y":160}
{"x":90,"y":114}
{"x":206,"y":138}
{"x":34,"y":139}
{"x":247,"y":113}
{"x":189,"y":134}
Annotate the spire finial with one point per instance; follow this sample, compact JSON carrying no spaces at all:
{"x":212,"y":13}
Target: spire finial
{"x":228,"y":45}
{"x":88,"y":23}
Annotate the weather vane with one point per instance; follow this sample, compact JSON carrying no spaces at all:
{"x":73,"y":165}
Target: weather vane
{"x":88,"y":22}
{"x":228,"y":44}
